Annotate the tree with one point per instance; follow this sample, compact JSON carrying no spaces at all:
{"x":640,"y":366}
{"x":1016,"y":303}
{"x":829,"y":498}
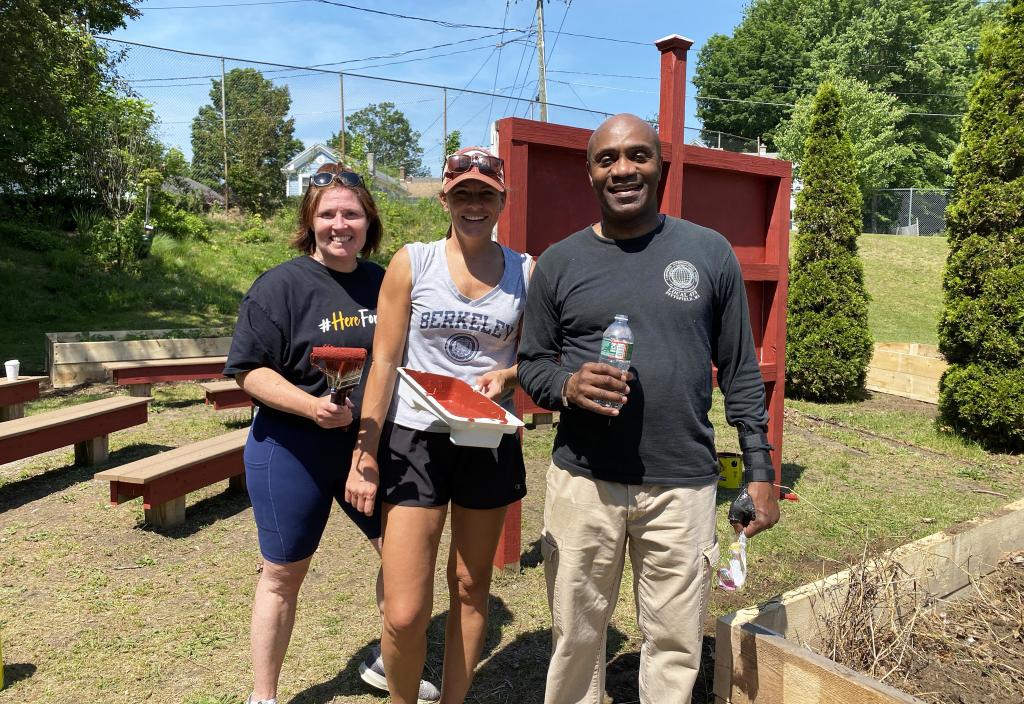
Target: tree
{"x":828,"y":343}
{"x":918,"y":51}
{"x":387,"y":133}
{"x":260,"y":139}
{"x":870,"y":119}
{"x":982,"y":328}
{"x":452,"y":144}
{"x":52,"y":67}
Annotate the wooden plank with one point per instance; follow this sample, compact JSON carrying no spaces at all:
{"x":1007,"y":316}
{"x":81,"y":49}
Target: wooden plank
{"x":166,"y":515}
{"x":731,"y":161}
{"x":149,"y":371}
{"x":162,"y":363}
{"x":768,"y":669}
{"x":506,"y":557}
{"x":226,"y":394}
{"x":149,"y":468}
{"x":942,"y":564}
{"x":12,"y":412}
{"x":127,"y":350}
{"x":92,"y":451}
{"x":760,"y":271}
{"x":195,"y":476}
{"x":56,"y":418}
{"x":30,"y":436}
{"x":25,"y":388}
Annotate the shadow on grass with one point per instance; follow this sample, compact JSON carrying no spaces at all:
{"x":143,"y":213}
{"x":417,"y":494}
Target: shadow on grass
{"x":17,"y":671}
{"x":23,"y":491}
{"x":791,"y":473}
{"x":348,"y":683}
{"x":623,"y":674}
{"x":205,"y":512}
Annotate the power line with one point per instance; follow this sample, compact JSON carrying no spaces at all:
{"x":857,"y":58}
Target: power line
{"x":558,"y":34}
{"x":335,"y":73}
{"x":443,"y":23}
{"x":608,"y":75}
{"x":791,"y":105}
{"x":497,"y":66}
{"x":318,"y":67}
{"x":226,"y":4}
{"x":591,"y":85}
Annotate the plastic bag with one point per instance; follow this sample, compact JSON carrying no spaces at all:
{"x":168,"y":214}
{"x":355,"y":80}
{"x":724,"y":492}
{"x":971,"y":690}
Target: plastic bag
{"x":733,"y":576}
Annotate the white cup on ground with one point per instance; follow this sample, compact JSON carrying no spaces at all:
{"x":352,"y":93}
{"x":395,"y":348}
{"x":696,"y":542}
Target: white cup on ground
{"x":11,"y":367}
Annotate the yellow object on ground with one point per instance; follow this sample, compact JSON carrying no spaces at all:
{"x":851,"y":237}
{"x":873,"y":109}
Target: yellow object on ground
{"x":730,"y":467}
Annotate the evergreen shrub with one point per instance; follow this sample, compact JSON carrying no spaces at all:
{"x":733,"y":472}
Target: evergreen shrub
{"x":828,"y":345}
{"x":981,"y":332}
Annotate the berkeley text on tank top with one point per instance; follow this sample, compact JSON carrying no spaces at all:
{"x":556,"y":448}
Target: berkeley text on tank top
{"x":455,"y":335}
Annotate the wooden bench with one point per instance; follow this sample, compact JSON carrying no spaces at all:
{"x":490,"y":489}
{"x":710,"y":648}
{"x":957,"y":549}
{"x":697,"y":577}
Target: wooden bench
{"x":163,"y":480}
{"x":139,"y":375}
{"x":85,"y":426}
{"x":14,"y":394}
{"x":226,"y":394}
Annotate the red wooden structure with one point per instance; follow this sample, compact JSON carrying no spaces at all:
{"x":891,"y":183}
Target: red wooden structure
{"x":744,"y":197}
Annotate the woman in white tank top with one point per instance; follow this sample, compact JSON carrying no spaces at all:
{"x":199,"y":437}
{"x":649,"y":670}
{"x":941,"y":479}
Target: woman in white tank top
{"x":450,"y":307}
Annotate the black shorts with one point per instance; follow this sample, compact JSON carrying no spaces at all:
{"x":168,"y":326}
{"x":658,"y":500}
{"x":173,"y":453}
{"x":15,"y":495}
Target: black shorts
{"x":419,"y":468}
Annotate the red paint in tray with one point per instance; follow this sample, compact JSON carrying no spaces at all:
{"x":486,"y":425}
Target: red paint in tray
{"x":457,"y":397}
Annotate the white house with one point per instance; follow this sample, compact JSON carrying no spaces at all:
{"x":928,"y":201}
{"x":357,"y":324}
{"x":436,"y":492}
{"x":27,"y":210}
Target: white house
{"x":298,"y":171}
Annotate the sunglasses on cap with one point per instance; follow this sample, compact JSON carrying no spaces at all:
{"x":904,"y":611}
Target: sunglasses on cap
{"x":345,"y":178}
{"x":461,"y":163}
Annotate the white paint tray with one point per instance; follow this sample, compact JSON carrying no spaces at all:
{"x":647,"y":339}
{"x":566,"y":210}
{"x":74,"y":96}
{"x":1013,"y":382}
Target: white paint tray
{"x":450,"y":393}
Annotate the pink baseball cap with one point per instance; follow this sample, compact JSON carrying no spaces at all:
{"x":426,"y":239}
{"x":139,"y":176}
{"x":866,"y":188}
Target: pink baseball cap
{"x":474,"y":163}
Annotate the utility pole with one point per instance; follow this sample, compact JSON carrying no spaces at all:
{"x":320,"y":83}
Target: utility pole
{"x":224,"y":130}
{"x":341,"y":135}
{"x":542,"y":80}
{"x":444,"y":143}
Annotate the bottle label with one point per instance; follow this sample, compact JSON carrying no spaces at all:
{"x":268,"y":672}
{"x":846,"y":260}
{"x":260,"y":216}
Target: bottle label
{"x":619,"y":350}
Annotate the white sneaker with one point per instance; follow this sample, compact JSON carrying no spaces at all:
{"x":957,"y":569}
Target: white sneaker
{"x":250,"y":700}
{"x":371,"y":670}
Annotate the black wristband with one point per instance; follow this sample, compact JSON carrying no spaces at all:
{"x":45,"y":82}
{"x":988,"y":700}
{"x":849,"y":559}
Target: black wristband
{"x":759,"y":474}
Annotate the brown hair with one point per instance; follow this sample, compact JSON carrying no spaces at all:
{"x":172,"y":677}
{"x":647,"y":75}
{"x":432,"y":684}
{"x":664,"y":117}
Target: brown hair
{"x":304,"y":240}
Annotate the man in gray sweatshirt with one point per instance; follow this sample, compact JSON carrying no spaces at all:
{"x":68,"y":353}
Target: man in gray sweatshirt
{"x":641,"y":478}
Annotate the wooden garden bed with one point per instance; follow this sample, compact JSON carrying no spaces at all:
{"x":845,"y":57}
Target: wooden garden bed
{"x":767,"y":653}
{"x":77,"y":357}
{"x":906,"y":369}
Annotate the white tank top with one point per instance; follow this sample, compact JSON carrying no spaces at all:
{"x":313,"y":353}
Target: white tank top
{"x":454,"y":335}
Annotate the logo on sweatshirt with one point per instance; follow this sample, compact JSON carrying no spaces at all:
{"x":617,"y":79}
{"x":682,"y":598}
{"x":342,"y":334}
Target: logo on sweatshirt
{"x":462,"y":349}
{"x":682,"y":279}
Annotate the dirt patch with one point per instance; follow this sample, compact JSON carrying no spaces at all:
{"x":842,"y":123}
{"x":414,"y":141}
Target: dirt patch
{"x":970,"y":649}
{"x":976,"y":645}
{"x":876,"y":401}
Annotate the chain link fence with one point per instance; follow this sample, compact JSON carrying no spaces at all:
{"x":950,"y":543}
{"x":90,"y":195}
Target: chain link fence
{"x":907,"y":211}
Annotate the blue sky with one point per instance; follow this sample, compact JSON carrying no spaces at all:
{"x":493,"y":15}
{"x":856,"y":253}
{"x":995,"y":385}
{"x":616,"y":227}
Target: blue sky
{"x":307,"y":32}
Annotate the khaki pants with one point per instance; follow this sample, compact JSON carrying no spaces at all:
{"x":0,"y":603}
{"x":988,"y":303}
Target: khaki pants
{"x":670,"y":535}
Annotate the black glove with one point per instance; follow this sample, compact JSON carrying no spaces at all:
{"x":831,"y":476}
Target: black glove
{"x":742,"y":508}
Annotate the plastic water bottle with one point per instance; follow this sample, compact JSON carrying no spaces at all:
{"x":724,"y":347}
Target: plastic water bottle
{"x":617,"y":348}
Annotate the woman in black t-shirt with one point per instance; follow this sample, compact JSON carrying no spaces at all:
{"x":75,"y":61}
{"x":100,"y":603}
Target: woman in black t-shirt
{"x":295,"y":457}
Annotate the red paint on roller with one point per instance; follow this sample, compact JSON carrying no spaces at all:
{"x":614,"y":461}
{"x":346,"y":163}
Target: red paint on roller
{"x":458,"y":397}
{"x":343,"y":366}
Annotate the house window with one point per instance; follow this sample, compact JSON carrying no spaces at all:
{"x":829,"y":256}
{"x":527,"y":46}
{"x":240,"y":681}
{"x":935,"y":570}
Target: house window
{"x":305,"y":183}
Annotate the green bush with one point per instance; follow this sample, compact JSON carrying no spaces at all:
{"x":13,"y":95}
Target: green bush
{"x":828,"y":343}
{"x":15,"y":234}
{"x":982,"y":329}
{"x":181,"y":224}
{"x":118,"y":245}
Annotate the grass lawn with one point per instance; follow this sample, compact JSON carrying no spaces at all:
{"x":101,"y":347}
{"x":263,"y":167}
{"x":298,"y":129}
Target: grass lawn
{"x":99,"y":607}
{"x":904,"y":278}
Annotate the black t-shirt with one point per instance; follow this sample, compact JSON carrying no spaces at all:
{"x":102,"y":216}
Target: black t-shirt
{"x":301,"y":304}
{"x":683,"y":291}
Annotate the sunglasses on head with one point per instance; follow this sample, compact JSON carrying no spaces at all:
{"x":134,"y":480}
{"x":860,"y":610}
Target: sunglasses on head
{"x":461,"y":163}
{"x":345,"y":178}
